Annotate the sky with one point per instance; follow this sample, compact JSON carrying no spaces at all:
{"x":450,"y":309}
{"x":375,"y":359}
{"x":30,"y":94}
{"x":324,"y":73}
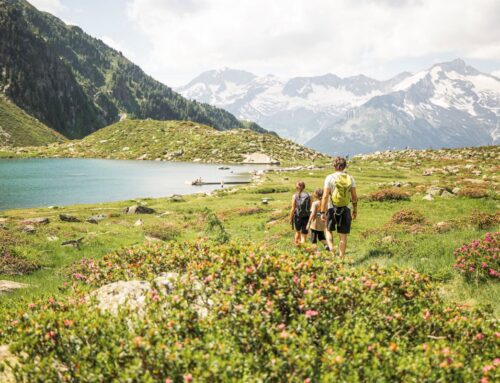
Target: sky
{"x":176,"y":40}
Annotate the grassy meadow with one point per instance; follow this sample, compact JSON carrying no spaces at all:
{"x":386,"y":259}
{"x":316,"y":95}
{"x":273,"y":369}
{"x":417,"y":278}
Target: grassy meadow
{"x":395,"y":225}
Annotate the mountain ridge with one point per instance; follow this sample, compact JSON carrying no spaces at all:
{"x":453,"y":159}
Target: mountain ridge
{"x":317,"y":110}
{"x":76,"y":84}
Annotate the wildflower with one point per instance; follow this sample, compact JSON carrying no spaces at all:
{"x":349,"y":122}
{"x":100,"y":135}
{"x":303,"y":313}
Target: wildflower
{"x":393,"y":346}
{"x":168,"y":380}
{"x":488,"y":368}
{"x":480,"y":336}
{"x":68,"y":322}
{"x":446,"y":351}
{"x":311,"y":313}
{"x":188,"y":378}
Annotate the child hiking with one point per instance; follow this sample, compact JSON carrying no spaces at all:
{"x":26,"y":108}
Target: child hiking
{"x":316,"y":225}
{"x":339,"y":192}
{"x":299,"y":214}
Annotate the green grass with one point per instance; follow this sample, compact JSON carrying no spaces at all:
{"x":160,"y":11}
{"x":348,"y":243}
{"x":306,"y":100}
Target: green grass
{"x":17,"y":128}
{"x":245,"y":218}
{"x":178,"y":141}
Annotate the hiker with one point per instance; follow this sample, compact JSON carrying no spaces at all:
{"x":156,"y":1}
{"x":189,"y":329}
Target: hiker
{"x":339,"y":192}
{"x":299,"y":214}
{"x":316,"y":225}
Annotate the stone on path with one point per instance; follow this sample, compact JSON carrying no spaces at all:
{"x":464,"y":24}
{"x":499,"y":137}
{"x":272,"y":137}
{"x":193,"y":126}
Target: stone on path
{"x":139,"y":222}
{"x":428,"y":197}
{"x":7,"y":286}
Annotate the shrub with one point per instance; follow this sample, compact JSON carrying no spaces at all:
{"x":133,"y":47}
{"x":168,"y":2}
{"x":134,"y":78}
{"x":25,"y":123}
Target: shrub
{"x":214,"y":227}
{"x":272,"y":189}
{"x":391,"y":194}
{"x":480,"y":259}
{"x":164,"y":231}
{"x":473,"y":192}
{"x":484,"y":221}
{"x":407,"y":217}
{"x":14,"y":264}
{"x":274,"y":316}
{"x":250,"y":210}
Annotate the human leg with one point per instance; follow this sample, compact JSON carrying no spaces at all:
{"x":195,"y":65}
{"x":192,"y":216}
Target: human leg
{"x":342,"y":244}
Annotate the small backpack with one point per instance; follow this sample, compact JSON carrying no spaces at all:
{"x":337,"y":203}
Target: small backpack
{"x":342,"y":194}
{"x":303,"y":205}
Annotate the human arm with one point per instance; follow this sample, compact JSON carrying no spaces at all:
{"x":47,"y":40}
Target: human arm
{"x":294,"y":206}
{"x":354,"y":199}
{"x":324,"y":202}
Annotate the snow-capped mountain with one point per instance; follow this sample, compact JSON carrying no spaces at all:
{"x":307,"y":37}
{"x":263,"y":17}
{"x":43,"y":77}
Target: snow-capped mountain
{"x":451,"y":104}
{"x":296,"y":108}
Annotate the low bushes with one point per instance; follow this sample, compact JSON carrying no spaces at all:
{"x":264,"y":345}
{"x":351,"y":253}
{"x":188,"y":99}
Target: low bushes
{"x":391,"y":194}
{"x":165,"y":231}
{"x":484,"y":221}
{"x":473,"y":192}
{"x":274,"y":316}
{"x":480,"y":259}
{"x":272,"y":189}
{"x":407,"y":217}
{"x":15,"y":264}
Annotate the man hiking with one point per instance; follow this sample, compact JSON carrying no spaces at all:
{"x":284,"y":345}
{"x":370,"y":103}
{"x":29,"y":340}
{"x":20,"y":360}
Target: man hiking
{"x":339,"y":192}
{"x":299,"y":214}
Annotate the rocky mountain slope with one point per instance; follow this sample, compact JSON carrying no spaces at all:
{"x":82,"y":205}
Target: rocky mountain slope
{"x":76,"y":84}
{"x":18,"y":128}
{"x":180,"y":141}
{"x":295,"y":108}
{"x":449,"y":105}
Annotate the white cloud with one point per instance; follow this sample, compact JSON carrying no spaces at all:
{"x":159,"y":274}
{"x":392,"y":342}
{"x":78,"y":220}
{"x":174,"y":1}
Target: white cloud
{"x":290,"y":37}
{"x":51,"y":6}
{"x":119,"y":46}
{"x":496,"y":73}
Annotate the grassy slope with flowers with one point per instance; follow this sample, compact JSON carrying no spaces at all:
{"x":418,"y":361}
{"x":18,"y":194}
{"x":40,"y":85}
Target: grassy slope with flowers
{"x":279,"y":313}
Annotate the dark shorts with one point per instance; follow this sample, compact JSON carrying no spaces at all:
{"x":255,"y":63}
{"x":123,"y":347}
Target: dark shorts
{"x":317,"y":235}
{"x":339,"y":219}
{"x":300,"y":224}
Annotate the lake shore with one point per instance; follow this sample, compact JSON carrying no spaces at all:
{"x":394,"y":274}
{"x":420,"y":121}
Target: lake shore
{"x":258,"y":213}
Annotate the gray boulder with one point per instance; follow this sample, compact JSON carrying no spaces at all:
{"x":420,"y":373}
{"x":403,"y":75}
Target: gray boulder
{"x":68,"y":218}
{"x":36,"y":221}
{"x":139,"y":209}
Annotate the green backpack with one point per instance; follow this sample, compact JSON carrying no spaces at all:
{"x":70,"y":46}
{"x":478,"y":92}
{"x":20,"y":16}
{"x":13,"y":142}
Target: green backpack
{"x":342,"y":194}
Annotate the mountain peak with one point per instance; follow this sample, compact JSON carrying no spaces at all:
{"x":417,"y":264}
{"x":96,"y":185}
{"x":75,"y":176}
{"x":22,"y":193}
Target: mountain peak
{"x":458,"y":65}
{"x":217,"y":76}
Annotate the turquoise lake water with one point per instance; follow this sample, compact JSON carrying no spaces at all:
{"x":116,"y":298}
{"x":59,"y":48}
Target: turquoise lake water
{"x":68,"y":181}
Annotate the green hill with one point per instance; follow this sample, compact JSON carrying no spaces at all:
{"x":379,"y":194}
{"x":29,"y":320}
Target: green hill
{"x":17,"y":128}
{"x":76,"y":84}
{"x":180,"y":141}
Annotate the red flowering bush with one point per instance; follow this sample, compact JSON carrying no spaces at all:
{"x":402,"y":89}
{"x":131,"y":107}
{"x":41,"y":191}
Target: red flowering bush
{"x":479,"y":260}
{"x":273,"y":316}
